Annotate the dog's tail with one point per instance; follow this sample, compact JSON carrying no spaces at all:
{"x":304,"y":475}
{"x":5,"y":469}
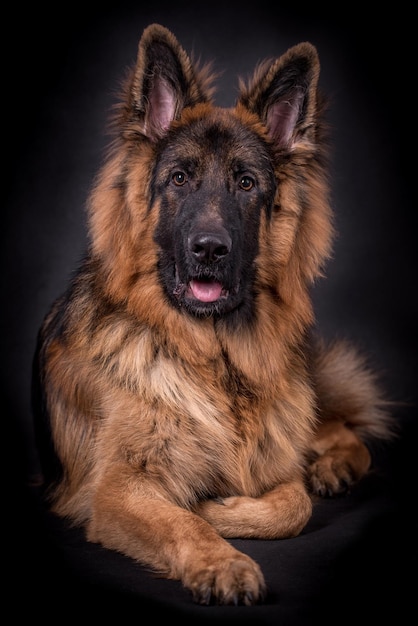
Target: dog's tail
{"x":348,"y":389}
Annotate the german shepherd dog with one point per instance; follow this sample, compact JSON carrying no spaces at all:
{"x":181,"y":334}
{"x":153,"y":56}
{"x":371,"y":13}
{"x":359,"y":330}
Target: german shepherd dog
{"x":181,"y":398}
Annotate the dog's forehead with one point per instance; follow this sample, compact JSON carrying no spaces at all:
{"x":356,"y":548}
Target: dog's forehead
{"x":202,"y":133}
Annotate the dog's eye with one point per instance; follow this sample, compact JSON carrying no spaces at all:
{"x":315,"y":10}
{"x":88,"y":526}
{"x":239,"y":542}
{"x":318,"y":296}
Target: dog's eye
{"x":179,"y":178}
{"x":246,"y":183}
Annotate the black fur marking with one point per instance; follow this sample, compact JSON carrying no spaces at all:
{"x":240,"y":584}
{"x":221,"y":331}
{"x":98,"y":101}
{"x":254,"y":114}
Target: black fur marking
{"x":208,"y":226}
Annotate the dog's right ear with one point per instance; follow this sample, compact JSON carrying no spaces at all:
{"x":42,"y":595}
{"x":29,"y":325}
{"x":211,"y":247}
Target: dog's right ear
{"x":165,"y":80}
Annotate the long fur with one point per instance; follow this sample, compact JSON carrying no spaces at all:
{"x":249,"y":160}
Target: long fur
{"x":180,"y":397}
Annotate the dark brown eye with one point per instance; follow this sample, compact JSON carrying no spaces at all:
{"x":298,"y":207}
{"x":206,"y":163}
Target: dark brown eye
{"x":246,"y":183}
{"x":179,"y":178}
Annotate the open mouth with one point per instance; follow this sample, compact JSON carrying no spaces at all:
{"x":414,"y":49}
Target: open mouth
{"x":201,"y":289}
{"x":205,"y":290}
{"x":205,"y":295}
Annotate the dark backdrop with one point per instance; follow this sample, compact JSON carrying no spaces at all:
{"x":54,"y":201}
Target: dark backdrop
{"x":62,"y":71}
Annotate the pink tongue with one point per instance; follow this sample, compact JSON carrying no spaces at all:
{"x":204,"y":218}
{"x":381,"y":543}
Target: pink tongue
{"x":205,"y":292}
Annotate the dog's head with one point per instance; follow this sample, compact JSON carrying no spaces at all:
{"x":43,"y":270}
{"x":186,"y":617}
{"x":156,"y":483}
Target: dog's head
{"x":228,"y":191}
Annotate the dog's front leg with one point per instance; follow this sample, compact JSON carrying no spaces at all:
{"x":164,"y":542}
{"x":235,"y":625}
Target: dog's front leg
{"x":177,"y":543}
{"x":280,"y":513}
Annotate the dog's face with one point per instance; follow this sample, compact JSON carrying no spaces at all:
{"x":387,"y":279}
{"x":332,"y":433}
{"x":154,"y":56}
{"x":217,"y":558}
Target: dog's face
{"x":214,"y":178}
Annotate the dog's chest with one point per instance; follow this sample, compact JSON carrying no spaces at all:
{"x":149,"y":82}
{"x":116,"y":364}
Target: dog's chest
{"x":205,"y":430}
{"x":210,"y":446}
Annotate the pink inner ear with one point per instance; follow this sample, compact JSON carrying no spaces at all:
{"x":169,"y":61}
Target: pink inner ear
{"x":282,"y":117}
{"x":162,"y":106}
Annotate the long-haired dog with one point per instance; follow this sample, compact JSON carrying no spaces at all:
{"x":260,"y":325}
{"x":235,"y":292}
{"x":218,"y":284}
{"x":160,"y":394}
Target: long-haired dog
{"x":181,"y":399}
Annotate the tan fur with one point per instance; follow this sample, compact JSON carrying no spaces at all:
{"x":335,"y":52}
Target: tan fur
{"x":174,"y":432}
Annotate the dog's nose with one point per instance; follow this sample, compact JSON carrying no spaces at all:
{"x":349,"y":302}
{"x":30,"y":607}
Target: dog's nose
{"x":207,"y":247}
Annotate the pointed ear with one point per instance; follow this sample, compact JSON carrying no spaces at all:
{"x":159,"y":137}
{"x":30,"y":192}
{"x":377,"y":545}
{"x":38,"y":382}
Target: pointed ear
{"x":283,"y":93}
{"x":165,"y":80}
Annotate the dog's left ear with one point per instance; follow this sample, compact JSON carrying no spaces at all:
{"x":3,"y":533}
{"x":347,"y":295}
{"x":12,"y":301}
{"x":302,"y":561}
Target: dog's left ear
{"x":283,"y":94}
{"x":165,"y":80}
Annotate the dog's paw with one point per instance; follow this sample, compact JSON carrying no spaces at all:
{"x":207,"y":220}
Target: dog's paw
{"x":232,"y":580}
{"x":325,"y":480}
{"x":335,"y":472}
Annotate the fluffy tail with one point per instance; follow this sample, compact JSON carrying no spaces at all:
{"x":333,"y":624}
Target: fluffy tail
{"x":348,"y":390}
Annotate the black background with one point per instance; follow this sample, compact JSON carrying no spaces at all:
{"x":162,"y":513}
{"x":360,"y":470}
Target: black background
{"x":62,"y":70}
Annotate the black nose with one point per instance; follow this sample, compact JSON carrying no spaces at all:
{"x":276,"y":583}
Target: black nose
{"x":207,"y":247}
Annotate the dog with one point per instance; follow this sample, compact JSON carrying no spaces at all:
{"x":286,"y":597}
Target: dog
{"x":181,"y":395}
